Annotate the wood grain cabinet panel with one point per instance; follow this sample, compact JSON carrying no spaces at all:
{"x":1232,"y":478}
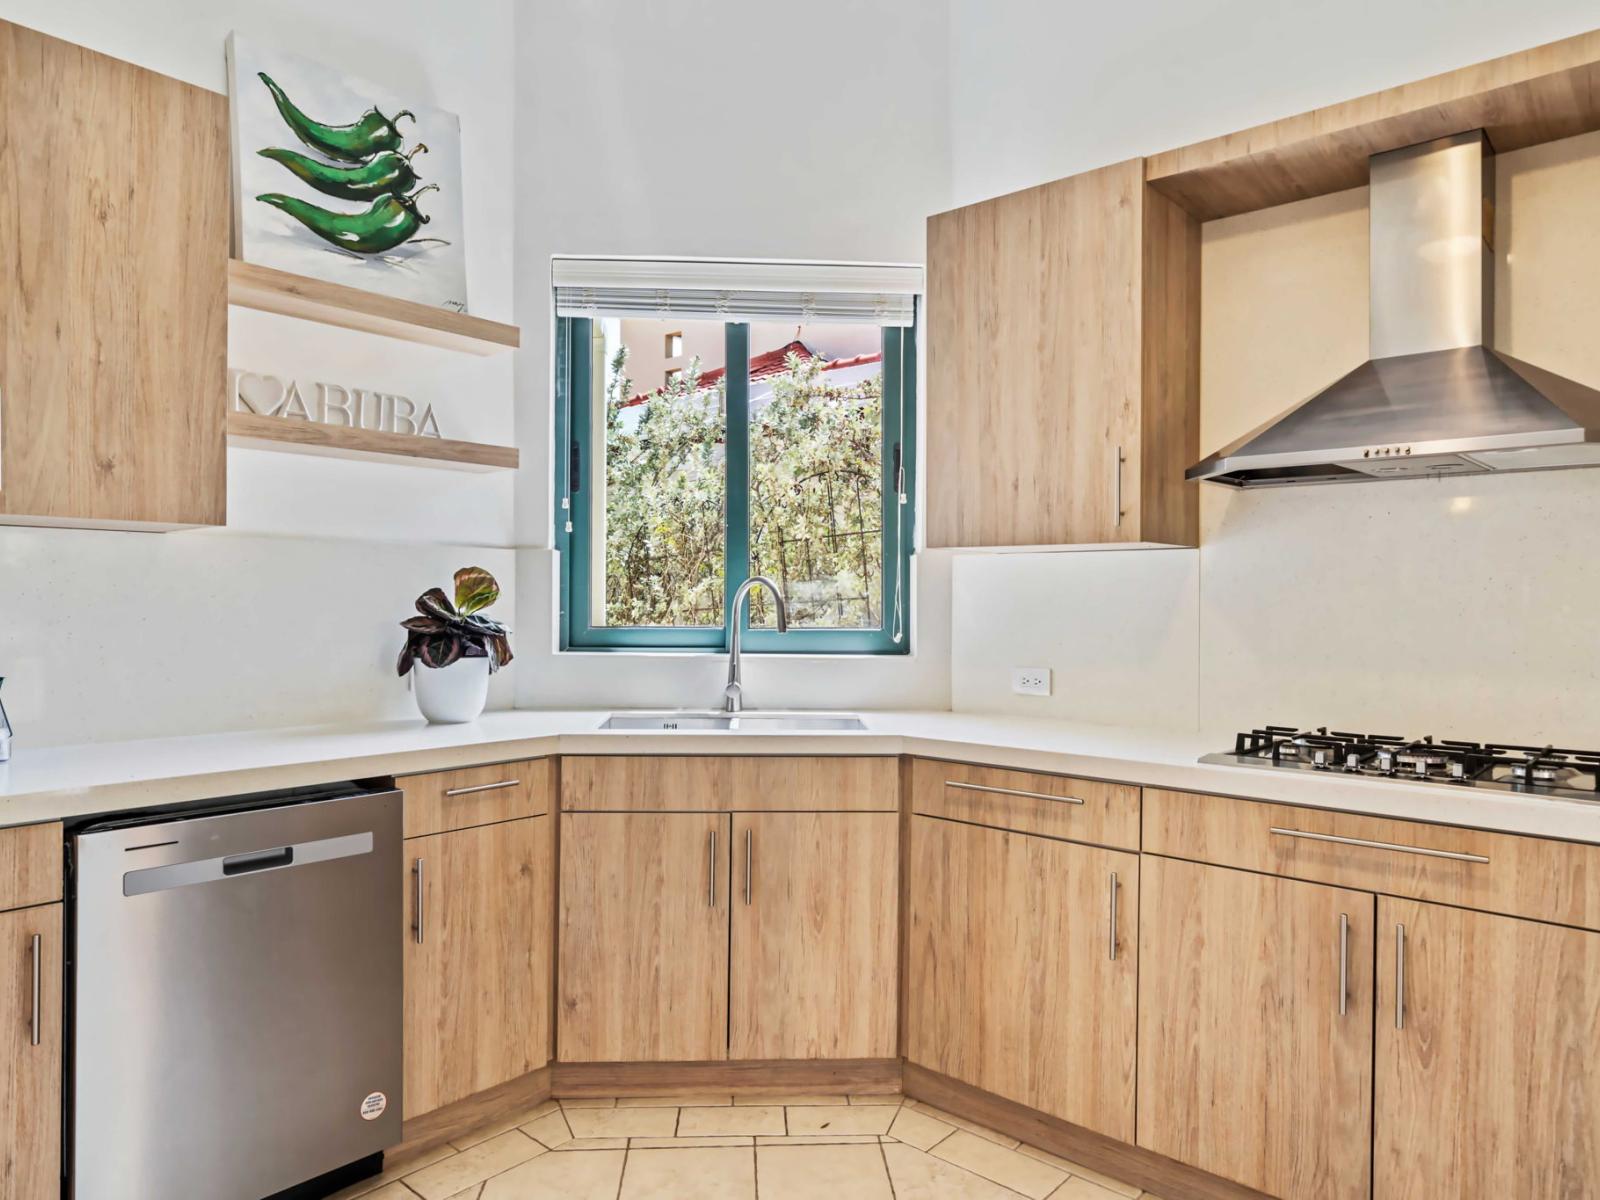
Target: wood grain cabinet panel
{"x":114,"y":212}
{"x":1083,"y":810}
{"x":442,"y":800}
{"x":643,"y":937}
{"x":767,"y":783}
{"x":776,"y":783}
{"x":1496,"y":872}
{"x":1063,"y":366}
{"x":1255,"y":1028}
{"x":31,"y":859}
{"x":644,"y":783}
{"x":478,"y":959}
{"x":814,"y":935}
{"x":1489,"y":1086}
{"x":1023,"y":969}
{"x":30,"y":1067}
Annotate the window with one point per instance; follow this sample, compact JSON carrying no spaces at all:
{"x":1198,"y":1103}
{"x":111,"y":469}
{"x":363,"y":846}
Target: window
{"x":779,"y":447}
{"x":674,"y":344}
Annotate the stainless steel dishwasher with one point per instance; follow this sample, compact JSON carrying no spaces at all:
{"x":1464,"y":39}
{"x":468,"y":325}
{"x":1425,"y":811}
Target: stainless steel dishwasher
{"x":236,"y":997}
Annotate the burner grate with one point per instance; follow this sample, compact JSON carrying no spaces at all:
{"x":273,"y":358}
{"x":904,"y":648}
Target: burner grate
{"x":1548,"y":770}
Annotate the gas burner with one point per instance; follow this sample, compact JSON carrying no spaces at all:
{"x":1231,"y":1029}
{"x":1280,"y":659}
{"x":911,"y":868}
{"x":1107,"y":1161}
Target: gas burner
{"x":1534,"y":770}
{"x":1542,"y":772}
{"x":1417,"y":762}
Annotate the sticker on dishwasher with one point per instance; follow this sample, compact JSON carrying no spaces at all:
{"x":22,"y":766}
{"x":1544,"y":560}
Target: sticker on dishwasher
{"x":372,"y":1107}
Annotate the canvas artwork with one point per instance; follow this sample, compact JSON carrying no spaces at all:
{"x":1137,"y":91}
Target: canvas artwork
{"x":344,"y":180}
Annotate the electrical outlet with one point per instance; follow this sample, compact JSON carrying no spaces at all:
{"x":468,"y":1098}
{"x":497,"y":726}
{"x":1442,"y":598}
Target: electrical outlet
{"x":1030,"y":681}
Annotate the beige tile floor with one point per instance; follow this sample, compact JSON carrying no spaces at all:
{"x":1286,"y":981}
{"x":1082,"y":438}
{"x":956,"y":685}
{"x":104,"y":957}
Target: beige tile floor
{"x":738,"y":1148}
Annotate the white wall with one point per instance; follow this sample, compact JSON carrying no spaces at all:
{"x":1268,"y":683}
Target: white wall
{"x":289,"y":614}
{"x":720,"y":128}
{"x":1463,"y":607}
{"x":1045,"y":88}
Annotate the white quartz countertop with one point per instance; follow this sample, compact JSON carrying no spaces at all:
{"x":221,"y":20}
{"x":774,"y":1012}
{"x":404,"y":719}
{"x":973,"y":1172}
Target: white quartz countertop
{"x":55,"y":783}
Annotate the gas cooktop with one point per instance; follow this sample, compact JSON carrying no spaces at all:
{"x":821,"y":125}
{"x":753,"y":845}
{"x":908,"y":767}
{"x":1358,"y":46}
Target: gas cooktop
{"x":1532,"y":770}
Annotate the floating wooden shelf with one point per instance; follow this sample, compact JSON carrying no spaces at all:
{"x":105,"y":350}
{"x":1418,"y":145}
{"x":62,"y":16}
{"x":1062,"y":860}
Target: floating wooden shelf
{"x":269,"y":290}
{"x":313,"y":437}
{"x":1537,"y":95}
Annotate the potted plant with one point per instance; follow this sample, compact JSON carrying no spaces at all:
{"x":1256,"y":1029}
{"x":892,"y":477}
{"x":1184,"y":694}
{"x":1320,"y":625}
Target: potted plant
{"x":459,"y":647}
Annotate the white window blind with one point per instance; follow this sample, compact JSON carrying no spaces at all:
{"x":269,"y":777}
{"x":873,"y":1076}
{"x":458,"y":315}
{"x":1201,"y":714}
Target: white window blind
{"x":736,"y":289}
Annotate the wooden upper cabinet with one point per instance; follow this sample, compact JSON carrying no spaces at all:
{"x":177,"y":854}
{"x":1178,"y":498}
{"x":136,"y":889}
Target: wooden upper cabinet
{"x":1487,"y":1083}
{"x":478,"y":959}
{"x":1255,"y":1029}
{"x":114,"y":213}
{"x":1023,"y":969}
{"x":816,"y":912}
{"x":30,"y":1053}
{"x":1064,"y":366}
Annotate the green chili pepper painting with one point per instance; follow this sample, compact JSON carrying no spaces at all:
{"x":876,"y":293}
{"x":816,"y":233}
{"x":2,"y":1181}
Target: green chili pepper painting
{"x":364,"y":203}
{"x":382,"y":174}
{"x":390,"y":221}
{"x":357,"y":142}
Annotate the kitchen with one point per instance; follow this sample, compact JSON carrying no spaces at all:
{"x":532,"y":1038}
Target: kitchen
{"x":767,"y":936}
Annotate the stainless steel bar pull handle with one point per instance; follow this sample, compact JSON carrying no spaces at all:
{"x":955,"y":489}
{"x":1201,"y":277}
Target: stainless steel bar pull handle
{"x":711,"y":861}
{"x":1344,"y":963}
{"x":1398,"y":847}
{"x":1399,"y":976}
{"x":749,"y":863}
{"x":1005,"y":791}
{"x":482,"y":787}
{"x":1113,"y":916}
{"x":1116,"y":487}
{"x":422,"y":900}
{"x":38,"y":979}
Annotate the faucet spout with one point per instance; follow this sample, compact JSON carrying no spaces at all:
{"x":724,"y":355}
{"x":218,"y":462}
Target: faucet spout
{"x":733,"y":694}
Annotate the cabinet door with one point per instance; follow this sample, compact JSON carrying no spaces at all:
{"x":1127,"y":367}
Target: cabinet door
{"x":1487,"y":1077}
{"x":1255,"y":1028}
{"x":644,"y":937}
{"x":815,"y":914}
{"x":1024,"y":969}
{"x":114,"y":215}
{"x":30,"y":1053}
{"x":478,"y":955}
{"x":1034,"y":364}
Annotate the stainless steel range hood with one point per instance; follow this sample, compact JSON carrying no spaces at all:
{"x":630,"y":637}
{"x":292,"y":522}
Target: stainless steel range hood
{"x":1434,"y":399}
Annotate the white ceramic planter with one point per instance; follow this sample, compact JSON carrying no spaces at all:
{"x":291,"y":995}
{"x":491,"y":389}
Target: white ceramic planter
{"x":455,"y":694}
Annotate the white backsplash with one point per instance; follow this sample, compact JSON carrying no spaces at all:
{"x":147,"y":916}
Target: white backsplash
{"x":107,"y":636}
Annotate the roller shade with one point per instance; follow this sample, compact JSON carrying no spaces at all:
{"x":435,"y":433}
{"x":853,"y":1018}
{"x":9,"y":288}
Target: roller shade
{"x":736,"y":290}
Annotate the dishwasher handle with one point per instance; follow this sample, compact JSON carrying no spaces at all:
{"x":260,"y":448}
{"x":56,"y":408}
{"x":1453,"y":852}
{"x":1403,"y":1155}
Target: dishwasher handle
{"x":258,"y":860}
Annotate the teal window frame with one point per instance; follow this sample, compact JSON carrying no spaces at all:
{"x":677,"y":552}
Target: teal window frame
{"x":574,"y":377}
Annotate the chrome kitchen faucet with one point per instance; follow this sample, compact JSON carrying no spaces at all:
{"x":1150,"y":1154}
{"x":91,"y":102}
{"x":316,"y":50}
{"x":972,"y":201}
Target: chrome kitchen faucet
{"x":733,"y":694}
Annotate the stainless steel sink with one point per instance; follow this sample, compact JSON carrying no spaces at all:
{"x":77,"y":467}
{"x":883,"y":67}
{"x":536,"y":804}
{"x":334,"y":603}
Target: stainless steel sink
{"x":743,"y":722}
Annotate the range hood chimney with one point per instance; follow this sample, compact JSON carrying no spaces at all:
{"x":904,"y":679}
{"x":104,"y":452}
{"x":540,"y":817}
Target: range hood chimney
{"x":1433,"y":399}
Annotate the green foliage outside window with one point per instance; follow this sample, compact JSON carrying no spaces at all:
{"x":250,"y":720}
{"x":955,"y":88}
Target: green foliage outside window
{"x":815,"y":499}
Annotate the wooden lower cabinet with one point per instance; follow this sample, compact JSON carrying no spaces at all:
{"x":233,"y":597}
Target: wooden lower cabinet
{"x":478,"y":958}
{"x":1488,"y":1083}
{"x":1012,"y":983}
{"x":814,"y":935}
{"x":643,"y":937}
{"x":30,"y":1053}
{"x":1248,"y":1068}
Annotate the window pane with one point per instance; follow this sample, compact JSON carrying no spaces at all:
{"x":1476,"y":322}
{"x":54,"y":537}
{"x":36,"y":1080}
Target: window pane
{"x":658,"y":510}
{"x":816,"y":480}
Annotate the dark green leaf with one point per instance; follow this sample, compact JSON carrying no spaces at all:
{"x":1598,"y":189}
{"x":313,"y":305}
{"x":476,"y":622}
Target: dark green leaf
{"x":434,"y":603}
{"x":438,"y":651}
